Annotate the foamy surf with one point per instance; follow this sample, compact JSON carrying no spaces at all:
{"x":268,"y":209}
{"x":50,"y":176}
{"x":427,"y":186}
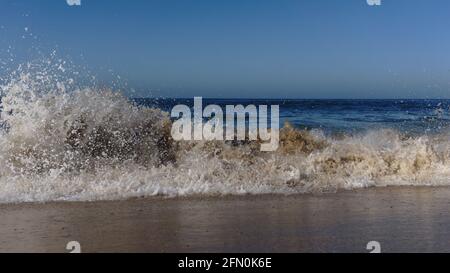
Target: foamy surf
{"x":63,"y":143}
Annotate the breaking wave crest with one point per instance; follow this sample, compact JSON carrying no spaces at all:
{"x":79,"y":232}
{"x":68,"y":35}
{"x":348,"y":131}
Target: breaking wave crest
{"x":94,"y":144}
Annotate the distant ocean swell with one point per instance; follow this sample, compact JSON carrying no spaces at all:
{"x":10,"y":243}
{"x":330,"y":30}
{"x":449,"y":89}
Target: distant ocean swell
{"x":90,"y":144}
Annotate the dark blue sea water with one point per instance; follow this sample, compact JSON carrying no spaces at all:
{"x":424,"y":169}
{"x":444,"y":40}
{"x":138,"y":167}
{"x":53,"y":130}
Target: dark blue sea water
{"x":343,"y":116}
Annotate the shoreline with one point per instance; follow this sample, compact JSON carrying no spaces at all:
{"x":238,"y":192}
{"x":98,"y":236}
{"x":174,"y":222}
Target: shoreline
{"x":402,"y":219}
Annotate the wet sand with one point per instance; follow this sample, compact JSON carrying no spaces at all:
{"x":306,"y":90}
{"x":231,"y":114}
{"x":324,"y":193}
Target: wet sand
{"x":401,"y":219}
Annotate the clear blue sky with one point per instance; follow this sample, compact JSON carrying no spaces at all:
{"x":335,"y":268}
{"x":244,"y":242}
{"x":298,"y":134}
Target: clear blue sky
{"x":243,"y":48}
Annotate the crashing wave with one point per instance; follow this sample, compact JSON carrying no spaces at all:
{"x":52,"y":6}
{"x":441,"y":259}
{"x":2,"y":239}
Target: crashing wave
{"x":94,"y":144}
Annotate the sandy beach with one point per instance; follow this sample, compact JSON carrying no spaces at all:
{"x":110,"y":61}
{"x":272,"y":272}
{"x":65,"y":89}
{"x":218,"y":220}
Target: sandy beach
{"x":401,"y":219}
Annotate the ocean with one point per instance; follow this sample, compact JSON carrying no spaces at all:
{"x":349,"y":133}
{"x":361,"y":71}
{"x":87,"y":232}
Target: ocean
{"x":352,"y":116}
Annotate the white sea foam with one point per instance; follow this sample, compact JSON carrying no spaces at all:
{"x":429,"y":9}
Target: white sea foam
{"x":61,"y":142}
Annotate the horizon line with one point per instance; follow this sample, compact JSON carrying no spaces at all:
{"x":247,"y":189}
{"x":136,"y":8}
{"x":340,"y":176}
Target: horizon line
{"x":236,"y":98}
